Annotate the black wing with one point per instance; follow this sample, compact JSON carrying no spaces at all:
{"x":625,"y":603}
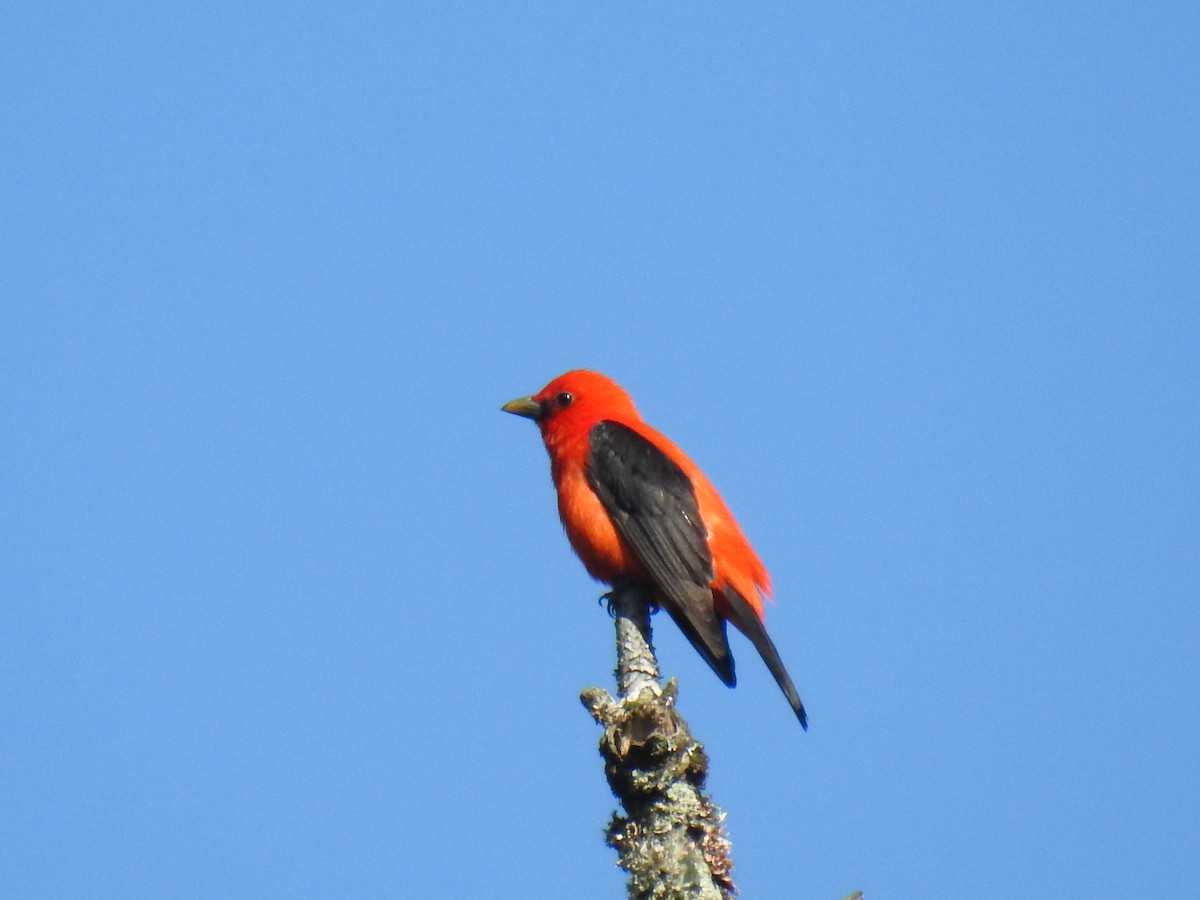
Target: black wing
{"x":653,"y":505}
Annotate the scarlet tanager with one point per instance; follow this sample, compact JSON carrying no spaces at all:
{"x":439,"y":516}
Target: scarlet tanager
{"x":637,"y":509}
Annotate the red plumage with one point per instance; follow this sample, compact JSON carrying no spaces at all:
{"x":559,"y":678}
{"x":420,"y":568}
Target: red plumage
{"x":636,"y":508}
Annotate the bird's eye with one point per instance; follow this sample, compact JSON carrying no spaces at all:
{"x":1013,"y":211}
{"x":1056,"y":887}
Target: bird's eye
{"x":563,"y":399}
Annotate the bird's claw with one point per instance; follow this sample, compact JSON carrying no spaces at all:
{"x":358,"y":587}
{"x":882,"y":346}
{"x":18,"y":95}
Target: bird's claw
{"x":609,"y":601}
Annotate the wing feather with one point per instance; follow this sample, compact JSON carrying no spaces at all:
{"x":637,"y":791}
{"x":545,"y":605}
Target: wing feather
{"x":652,"y":503}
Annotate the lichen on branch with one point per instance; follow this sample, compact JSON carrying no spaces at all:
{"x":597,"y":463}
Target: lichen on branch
{"x":669,"y":836}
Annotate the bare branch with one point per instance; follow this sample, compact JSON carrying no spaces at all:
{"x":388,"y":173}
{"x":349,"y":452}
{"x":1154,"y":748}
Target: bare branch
{"x":670,"y":837}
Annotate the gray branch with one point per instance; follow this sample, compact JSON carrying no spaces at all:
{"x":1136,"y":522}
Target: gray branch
{"x":670,"y":836}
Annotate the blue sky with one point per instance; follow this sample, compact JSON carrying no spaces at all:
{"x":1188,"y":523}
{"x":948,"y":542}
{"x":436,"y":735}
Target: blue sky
{"x":287,"y":608}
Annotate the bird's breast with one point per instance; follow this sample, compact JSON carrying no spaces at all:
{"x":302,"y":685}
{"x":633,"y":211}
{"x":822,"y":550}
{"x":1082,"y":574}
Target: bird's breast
{"x":591,"y":532}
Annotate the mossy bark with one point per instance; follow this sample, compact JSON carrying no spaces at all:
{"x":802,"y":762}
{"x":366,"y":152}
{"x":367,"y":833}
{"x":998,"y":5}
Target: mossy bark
{"x":669,"y":835}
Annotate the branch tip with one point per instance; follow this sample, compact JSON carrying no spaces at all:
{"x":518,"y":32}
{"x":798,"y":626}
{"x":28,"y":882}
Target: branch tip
{"x":670,"y":836}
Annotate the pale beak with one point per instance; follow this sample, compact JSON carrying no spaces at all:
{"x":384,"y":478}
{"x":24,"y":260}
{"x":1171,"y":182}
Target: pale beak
{"x":523,"y":406}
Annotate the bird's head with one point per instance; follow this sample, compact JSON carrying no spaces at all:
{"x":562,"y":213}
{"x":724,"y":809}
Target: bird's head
{"x":575,"y":401}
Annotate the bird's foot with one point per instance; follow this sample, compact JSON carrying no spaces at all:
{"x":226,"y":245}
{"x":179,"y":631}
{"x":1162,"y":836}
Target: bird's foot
{"x":609,"y":599}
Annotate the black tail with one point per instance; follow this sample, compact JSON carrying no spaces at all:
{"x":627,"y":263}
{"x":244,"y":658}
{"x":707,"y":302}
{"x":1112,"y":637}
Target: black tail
{"x":746,"y":619}
{"x":702,"y":626}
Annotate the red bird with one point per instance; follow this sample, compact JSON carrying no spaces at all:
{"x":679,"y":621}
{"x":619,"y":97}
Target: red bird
{"x":636,"y":509}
